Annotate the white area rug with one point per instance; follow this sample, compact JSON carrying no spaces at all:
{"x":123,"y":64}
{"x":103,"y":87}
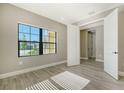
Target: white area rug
{"x":70,"y":81}
{"x":44,"y":85}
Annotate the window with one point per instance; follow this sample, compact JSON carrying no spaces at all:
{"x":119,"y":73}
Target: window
{"x":49,"y":42}
{"x":34,"y":41}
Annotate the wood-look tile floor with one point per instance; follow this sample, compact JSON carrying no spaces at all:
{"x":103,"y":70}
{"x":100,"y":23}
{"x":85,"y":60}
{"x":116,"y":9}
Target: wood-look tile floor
{"x":89,"y":69}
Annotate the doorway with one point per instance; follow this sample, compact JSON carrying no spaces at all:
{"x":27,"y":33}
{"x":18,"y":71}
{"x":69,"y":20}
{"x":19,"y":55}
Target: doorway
{"x":110,"y":44}
{"x":106,"y":47}
{"x":88,"y":44}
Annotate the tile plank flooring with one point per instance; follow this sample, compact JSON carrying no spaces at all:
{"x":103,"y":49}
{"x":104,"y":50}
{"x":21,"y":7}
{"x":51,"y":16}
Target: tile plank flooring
{"x":89,"y":69}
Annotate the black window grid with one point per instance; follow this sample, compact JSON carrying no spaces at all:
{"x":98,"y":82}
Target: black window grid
{"x":40,"y":42}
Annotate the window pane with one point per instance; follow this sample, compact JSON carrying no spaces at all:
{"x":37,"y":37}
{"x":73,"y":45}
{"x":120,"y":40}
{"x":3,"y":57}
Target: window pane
{"x":52,"y":50}
{"x":24,"y":45}
{"x":27,"y":49}
{"x":24,"y":28}
{"x":52,"y":46}
{"x":24,"y":37}
{"x":34,"y":48}
{"x":45,"y":51}
{"x":35,"y":38}
{"x":45,"y":45}
{"x":24,"y":48}
{"x":52,"y":39}
{"x":45,"y":39}
{"x":51,"y":34}
{"x":35,"y":30}
{"x":22,"y":52}
{"x":45,"y":32}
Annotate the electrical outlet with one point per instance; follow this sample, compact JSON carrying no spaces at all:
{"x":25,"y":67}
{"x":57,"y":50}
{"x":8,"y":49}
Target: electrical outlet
{"x":20,"y":62}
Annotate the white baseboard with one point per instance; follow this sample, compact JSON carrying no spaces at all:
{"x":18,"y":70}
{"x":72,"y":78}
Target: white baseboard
{"x":84,"y":58}
{"x":29,"y":69}
{"x":99,"y":60}
{"x":121,"y":73}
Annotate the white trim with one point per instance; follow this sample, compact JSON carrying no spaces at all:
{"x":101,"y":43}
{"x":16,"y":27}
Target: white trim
{"x":97,"y":20}
{"x":121,"y":73}
{"x":84,"y":58}
{"x":30,"y":69}
{"x":99,"y":60}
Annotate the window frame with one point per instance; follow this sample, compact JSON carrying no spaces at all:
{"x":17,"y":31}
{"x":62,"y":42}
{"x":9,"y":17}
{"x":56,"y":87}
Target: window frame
{"x":40,"y":41}
{"x":55,"y":43}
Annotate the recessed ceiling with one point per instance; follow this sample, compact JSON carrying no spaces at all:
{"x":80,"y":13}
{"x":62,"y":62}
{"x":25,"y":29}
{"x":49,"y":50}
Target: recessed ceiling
{"x":67,"y":13}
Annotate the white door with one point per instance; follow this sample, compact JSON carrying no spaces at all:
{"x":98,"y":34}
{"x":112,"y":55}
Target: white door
{"x":111,"y":44}
{"x":73,"y":45}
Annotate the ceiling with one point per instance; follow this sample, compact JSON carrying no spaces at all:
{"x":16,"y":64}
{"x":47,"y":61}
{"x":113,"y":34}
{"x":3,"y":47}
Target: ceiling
{"x":67,"y":13}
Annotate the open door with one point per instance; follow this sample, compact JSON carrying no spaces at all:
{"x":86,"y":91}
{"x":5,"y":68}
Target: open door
{"x":111,"y":44}
{"x":73,"y":45}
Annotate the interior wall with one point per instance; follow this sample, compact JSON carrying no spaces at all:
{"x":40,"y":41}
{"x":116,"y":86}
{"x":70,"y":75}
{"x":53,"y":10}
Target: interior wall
{"x":0,"y":33}
{"x":9,"y":39}
{"x":99,"y":41}
{"x":83,"y":44}
{"x":94,"y":44}
{"x":73,"y":45}
{"x":121,"y":41}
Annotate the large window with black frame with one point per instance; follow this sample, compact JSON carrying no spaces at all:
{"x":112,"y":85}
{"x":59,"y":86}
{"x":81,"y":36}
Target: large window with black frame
{"x":33,"y":41}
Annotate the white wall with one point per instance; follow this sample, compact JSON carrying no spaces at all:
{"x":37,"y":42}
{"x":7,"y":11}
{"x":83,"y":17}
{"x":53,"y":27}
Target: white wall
{"x":73,"y":43}
{"x":100,"y":43}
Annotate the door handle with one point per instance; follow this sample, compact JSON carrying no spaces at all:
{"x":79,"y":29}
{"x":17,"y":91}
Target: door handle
{"x":115,"y":52}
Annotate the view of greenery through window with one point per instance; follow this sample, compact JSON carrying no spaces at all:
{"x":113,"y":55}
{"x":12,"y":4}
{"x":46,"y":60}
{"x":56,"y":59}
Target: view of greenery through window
{"x":25,"y":48}
{"x":29,"y":41}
